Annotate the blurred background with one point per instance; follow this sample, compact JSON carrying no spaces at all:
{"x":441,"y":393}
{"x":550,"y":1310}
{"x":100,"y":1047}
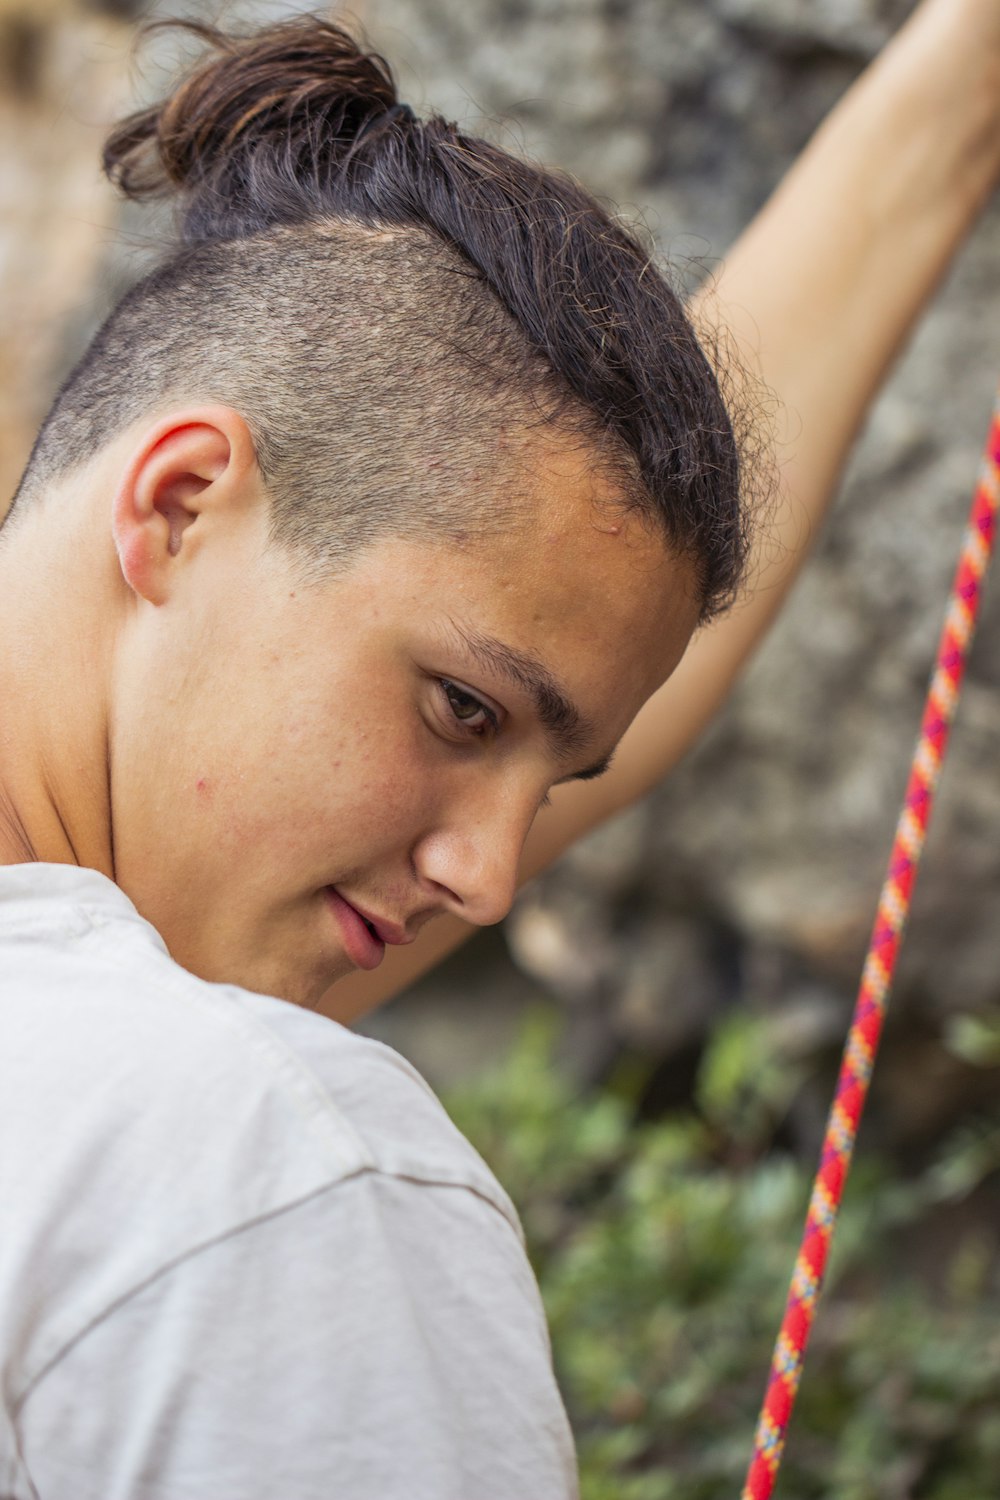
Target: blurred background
{"x":646,"y":1051}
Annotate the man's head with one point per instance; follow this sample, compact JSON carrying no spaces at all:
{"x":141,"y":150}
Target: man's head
{"x":389,"y":732}
{"x":383,"y":299}
{"x":379,"y":509}
{"x":253,"y":757}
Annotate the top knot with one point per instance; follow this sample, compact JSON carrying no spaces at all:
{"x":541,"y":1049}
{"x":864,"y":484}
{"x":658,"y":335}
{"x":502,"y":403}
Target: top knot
{"x":260,"y":119}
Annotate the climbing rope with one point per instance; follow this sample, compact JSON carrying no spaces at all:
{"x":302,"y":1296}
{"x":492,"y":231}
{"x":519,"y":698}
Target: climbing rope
{"x":876,"y":980}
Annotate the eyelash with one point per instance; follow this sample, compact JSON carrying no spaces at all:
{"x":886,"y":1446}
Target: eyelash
{"x":448,"y":689}
{"x":492,"y":725}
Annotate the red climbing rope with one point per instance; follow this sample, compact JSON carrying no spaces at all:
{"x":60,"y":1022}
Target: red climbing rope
{"x":869,"y":1012}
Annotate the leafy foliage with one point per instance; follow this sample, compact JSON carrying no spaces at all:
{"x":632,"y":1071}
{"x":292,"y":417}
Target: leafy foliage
{"x":664,"y":1251}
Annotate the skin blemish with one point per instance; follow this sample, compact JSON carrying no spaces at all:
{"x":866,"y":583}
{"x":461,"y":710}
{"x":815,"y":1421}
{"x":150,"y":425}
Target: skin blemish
{"x":201,"y":785}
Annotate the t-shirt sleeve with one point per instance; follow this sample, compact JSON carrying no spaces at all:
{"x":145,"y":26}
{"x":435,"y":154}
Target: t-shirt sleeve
{"x":383,"y":1338}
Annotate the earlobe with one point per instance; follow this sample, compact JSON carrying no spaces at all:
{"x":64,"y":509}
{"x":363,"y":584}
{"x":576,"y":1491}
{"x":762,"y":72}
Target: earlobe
{"x":185,"y":468}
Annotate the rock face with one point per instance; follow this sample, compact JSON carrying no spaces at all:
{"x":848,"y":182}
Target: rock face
{"x":62,"y":80}
{"x":67,"y":72}
{"x":752,"y":875}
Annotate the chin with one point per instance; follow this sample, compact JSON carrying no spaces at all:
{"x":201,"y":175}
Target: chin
{"x":279,"y":980}
{"x":308,"y":989}
{"x":298,"y":964}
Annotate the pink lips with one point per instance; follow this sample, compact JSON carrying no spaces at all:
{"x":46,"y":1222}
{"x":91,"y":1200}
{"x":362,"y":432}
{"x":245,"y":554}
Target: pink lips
{"x":363,"y":948}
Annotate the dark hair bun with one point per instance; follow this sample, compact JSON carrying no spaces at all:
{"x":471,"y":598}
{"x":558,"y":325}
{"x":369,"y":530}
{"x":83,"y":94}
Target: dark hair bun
{"x":285,"y":105}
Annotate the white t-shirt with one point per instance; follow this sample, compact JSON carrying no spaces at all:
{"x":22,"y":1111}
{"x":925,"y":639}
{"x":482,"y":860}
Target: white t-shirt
{"x":244,"y":1253}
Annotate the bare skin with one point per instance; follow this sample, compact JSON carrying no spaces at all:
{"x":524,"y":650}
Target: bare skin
{"x":230,"y":746}
{"x":228,"y":790}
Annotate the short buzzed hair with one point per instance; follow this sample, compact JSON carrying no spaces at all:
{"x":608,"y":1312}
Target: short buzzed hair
{"x":373,"y":368}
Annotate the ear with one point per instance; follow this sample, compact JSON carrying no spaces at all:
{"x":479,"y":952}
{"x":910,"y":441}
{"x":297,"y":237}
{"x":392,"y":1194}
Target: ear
{"x":193,"y":469}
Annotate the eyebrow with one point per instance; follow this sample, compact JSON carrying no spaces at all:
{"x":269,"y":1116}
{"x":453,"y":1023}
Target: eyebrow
{"x":567,"y":728}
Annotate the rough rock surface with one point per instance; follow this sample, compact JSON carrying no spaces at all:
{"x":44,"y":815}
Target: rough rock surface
{"x":751,"y":876}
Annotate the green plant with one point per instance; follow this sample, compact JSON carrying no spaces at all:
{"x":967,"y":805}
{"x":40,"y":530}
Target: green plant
{"x":664,"y":1271}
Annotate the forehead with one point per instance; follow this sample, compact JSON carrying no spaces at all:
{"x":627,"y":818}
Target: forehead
{"x":602,"y":600}
{"x":563,"y":575}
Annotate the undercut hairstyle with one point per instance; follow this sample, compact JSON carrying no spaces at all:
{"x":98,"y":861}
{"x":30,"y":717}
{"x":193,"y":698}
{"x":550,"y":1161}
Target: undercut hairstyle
{"x":386,"y":300}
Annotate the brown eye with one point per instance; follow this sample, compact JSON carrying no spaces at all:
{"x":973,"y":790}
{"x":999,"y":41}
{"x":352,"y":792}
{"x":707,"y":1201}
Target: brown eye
{"x":463,"y":705}
{"x":469,"y":711}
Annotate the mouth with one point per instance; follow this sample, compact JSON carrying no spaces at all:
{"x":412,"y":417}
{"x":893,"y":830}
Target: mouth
{"x":362,"y":942}
{"x":365,"y":936}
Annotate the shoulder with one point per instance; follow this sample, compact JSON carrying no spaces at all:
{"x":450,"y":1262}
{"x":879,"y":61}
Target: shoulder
{"x":145,"y":1113}
{"x":389,"y":1106}
{"x":257,"y":1235}
{"x":96,"y":1012}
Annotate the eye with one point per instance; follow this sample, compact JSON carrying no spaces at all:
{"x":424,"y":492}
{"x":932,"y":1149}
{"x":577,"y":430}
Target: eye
{"x":472,"y":715}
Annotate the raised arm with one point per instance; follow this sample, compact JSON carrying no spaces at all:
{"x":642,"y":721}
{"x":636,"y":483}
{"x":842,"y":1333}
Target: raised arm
{"x":817,"y":296}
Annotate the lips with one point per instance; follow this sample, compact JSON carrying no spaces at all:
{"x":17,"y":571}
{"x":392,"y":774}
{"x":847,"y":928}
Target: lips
{"x":365,"y":935}
{"x":363,"y":946}
{"x":389,"y":932}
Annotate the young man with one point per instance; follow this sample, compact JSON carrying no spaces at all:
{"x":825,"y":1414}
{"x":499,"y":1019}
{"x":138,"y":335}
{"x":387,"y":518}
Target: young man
{"x":243,"y":1251}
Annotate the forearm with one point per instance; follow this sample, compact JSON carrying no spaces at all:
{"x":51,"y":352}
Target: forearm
{"x":824,"y":286}
{"x":818,"y":295}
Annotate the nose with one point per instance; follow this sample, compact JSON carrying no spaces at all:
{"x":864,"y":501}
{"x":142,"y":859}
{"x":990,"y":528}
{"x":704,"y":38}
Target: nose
{"x":471,"y":860}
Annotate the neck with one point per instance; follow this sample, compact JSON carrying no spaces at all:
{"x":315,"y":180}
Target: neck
{"x":15,"y":842}
{"x":54,"y":801}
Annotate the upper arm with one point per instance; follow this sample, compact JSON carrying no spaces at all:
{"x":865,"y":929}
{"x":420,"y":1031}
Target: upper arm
{"x":383,"y":1337}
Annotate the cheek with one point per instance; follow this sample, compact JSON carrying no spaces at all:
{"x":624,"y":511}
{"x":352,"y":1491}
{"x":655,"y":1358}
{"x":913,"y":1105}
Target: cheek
{"x":351,"y":795}
{"x":313,"y":774}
